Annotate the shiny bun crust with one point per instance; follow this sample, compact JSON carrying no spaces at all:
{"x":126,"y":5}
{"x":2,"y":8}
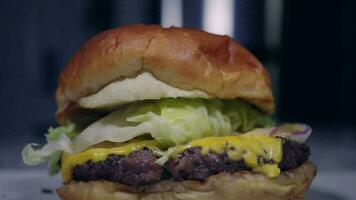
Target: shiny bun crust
{"x":184,"y":58}
{"x":290,"y":185}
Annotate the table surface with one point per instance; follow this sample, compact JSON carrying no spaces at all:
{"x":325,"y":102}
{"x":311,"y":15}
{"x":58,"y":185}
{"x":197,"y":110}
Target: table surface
{"x":22,"y":184}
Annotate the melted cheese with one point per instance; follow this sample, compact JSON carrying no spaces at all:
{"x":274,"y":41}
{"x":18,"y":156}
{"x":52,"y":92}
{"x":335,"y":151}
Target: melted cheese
{"x":249,"y":147}
{"x":99,"y":154}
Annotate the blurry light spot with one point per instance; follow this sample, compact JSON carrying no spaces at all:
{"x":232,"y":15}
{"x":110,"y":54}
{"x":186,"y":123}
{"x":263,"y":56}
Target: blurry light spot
{"x":273,"y":21}
{"x":218,"y":16}
{"x":171,"y":13}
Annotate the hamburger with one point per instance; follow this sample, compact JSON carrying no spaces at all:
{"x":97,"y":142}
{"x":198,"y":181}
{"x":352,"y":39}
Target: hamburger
{"x":147,"y":112}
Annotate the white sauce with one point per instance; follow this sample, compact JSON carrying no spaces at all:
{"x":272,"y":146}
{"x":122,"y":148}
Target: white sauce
{"x":142,"y":87}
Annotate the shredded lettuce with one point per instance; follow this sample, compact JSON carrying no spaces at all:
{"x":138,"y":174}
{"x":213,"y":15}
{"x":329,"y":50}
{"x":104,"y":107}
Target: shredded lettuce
{"x":183,"y":120}
{"x":55,"y":133}
{"x":54,"y":163}
{"x":34,"y":157}
{"x":245,"y":117}
{"x":170,"y":121}
{"x":58,"y":140}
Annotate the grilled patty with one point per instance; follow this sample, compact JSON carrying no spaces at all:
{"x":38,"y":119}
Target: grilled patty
{"x":139,"y":167}
{"x":192,"y":165}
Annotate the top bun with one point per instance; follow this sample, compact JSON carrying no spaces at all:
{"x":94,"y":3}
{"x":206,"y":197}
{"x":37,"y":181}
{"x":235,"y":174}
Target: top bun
{"x":184,"y":58}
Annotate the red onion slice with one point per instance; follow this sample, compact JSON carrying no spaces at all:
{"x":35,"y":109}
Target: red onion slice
{"x":274,"y":131}
{"x":292,"y":131}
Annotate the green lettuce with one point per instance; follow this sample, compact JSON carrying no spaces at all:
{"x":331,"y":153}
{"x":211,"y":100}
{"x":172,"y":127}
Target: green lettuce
{"x":244,"y":116}
{"x":58,"y":139}
{"x":170,"y":121}
{"x":183,"y":120}
{"x":55,"y":133}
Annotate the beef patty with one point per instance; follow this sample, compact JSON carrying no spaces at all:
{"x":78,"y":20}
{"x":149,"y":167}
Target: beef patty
{"x":139,"y":167}
{"x":192,"y":165}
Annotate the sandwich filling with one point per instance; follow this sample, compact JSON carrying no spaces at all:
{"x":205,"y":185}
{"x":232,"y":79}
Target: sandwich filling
{"x":172,"y":138}
{"x":139,"y":167}
{"x":195,"y":160}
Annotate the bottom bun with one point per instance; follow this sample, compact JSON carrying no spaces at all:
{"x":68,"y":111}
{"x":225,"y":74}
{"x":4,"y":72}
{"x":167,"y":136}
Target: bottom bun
{"x":291,"y":185}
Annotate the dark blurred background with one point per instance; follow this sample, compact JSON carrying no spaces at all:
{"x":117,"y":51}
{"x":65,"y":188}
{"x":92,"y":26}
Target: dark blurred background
{"x":308,"y":47}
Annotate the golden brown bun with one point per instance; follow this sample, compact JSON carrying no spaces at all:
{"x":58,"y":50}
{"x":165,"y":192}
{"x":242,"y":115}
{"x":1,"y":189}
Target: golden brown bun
{"x":290,"y":185}
{"x":184,"y":58}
